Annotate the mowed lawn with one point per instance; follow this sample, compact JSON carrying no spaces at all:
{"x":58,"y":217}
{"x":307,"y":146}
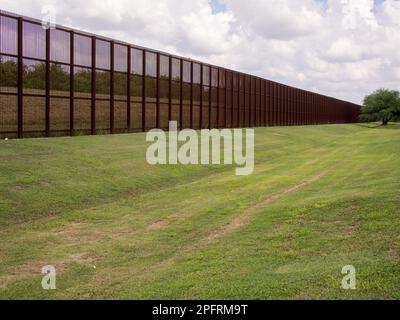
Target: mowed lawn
{"x":321,"y":197}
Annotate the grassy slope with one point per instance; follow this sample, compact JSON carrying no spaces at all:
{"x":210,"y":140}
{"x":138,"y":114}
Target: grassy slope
{"x":202,"y":232}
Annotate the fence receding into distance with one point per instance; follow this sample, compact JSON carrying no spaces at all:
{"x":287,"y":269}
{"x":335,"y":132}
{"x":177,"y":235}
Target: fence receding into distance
{"x":61,"y":81}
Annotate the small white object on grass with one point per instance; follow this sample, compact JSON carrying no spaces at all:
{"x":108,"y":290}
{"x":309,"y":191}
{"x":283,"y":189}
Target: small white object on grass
{"x":94,"y":267}
{"x":6,"y":139}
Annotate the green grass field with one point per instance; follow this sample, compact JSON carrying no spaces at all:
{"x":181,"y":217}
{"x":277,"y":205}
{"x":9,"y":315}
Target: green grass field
{"x":321,"y":197}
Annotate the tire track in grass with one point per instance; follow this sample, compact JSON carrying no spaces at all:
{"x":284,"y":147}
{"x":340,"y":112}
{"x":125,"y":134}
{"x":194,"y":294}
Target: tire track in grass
{"x":240,"y":220}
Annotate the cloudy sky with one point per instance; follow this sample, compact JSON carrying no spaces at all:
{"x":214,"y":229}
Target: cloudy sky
{"x":342,"y":48}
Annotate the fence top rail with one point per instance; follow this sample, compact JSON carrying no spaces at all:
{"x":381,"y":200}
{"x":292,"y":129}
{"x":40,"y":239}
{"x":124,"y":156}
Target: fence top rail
{"x":134,"y":46}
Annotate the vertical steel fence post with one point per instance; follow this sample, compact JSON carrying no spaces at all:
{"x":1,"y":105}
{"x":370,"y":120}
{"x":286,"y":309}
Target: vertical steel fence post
{"x":319,"y":112}
{"x":158,"y":92}
{"x":112,"y":107}
{"x":239,"y":121}
{"x":20,"y":79}
{"x":319,"y":109}
{"x":288,"y":110}
{"x":243,"y":113}
{"x":298,"y":107}
{"x":310,"y":108}
{"x":289,"y":106}
{"x":277,"y":111}
{"x":144,"y":91}
{"x":309,"y":105}
{"x":210,"y":96}
{"x":254,"y":101}
{"x":282,"y":105}
{"x":218,"y":97}
{"x":302,"y":107}
{"x":295,"y":107}
{"x":71,"y":84}
{"x":305,"y":107}
{"x":255,"y":112}
{"x":181,"y":95}
{"x":313,"y":108}
{"x":256,"y":115}
{"x":250,"y":102}
{"x":269,"y":103}
{"x":260,"y":120}
{"x":47,"y":83}
{"x":281,"y":108}
{"x":169,"y":89}
{"x":240,"y":118}
{"x":201,"y":97}
{"x":290,"y":99}
{"x":191,"y":94}
{"x":234,"y":124}
{"x":311,"y":97}
{"x":275,"y":103}
{"x":298,"y":104}
{"x":322,"y":101}
{"x":246,"y":101}
{"x":226,"y":100}
{"x":292,"y":105}
{"x":128,"y":91}
{"x":276,"y":108}
{"x":285,"y":112}
{"x":93,"y":112}
{"x":264,"y":83}
{"x":279,"y":98}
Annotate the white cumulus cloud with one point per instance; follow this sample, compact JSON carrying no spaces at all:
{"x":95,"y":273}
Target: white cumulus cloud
{"x":342,"y":48}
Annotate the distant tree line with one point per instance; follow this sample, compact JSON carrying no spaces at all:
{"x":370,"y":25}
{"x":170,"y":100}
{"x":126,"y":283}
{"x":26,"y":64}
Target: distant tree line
{"x":8,"y":74}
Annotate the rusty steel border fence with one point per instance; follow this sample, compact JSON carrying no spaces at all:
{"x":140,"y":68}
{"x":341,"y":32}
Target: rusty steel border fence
{"x":133,"y":89}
